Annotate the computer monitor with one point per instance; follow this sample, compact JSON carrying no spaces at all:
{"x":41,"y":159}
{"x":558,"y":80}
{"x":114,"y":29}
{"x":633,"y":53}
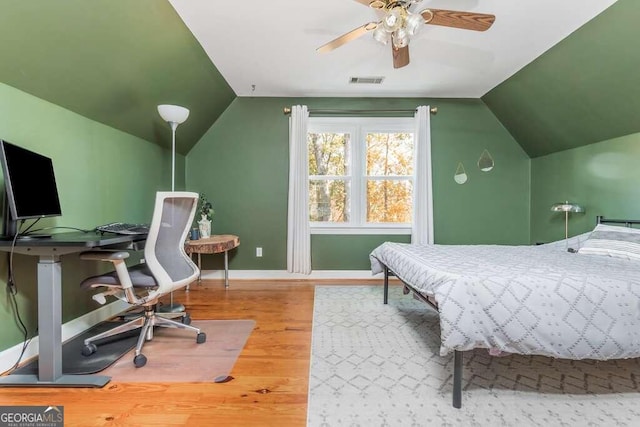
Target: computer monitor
{"x":30,"y":186}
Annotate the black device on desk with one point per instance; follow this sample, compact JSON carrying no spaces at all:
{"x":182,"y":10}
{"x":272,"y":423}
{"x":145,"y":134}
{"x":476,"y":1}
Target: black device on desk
{"x":30,"y":188}
{"x":123,"y":228}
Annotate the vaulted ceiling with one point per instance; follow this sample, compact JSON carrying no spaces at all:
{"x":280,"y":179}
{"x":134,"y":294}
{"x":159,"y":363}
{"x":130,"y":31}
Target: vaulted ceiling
{"x":584,"y":90}
{"x":114,"y":61}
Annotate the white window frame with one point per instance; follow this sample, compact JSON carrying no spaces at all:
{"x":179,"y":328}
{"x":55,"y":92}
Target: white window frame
{"x":358,"y":127}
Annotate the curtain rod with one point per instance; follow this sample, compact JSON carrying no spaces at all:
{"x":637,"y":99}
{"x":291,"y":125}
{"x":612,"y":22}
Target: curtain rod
{"x":287,"y":111}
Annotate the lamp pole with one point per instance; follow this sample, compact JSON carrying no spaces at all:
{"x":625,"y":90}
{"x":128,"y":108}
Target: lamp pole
{"x":173,"y":115}
{"x":174,"y":126}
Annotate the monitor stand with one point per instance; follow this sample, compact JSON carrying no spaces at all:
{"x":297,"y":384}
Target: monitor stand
{"x":10,"y":226}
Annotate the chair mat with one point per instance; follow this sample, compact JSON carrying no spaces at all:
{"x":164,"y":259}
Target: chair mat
{"x":109,"y":351}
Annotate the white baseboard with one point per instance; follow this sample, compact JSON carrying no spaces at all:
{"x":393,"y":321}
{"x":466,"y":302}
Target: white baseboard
{"x":70,"y":329}
{"x":283,"y":274}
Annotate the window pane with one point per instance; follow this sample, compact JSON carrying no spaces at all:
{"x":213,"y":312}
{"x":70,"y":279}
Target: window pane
{"x":329,"y":200}
{"x":328,"y":153}
{"x":389,"y":201}
{"x":389,"y":154}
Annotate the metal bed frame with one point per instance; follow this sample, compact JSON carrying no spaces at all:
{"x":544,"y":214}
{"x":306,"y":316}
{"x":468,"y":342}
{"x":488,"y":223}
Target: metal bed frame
{"x":457,"y":355}
{"x":627,"y":222}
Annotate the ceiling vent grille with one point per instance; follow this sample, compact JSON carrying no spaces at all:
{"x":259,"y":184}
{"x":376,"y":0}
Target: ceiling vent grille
{"x":366,"y":80}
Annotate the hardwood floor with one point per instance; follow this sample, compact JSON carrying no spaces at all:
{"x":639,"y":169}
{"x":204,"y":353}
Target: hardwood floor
{"x":270,"y":382}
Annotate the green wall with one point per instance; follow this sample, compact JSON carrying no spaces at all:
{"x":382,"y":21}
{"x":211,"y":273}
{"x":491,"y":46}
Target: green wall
{"x":113,"y":61}
{"x":602,"y":177}
{"x":241,"y":163}
{"x":102,"y":174}
{"x":581,"y":91}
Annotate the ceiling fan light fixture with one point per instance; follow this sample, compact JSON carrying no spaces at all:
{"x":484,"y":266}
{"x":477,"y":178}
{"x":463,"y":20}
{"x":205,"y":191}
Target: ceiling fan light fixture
{"x":400,"y":38}
{"x":393,"y":19}
{"x":381,"y":36}
{"x":399,"y":24}
{"x":413,"y":23}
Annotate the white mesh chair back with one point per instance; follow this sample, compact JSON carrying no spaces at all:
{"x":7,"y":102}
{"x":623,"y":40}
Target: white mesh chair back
{"x":164,"y":250}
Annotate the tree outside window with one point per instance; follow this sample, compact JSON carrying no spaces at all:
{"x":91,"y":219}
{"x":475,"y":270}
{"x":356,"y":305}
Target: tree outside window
{"x":360,"y":172}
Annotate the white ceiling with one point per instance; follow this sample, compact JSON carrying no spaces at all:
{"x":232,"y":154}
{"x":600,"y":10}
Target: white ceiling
{"x":272,"y":45}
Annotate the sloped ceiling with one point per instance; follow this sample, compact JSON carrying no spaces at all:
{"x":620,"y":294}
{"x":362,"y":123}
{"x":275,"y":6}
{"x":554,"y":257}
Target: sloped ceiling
{"x":112,"y":61}
{"x":584,"y":90}
{"x":271,"y":51}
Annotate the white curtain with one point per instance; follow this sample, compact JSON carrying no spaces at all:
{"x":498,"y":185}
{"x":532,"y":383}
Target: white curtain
{"x":298,"y":236}
{"x":422,"y":230}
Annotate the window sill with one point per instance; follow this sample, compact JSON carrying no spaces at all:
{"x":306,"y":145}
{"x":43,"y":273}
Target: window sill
{"x":361,"y":230}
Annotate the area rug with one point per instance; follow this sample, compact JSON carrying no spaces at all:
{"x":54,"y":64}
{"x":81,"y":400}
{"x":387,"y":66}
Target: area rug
{"x":174,"y":356}
{"x":375,"y":364}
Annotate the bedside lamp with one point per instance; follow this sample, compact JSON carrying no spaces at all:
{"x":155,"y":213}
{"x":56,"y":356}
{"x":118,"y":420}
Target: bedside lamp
{"x":566,"y":207}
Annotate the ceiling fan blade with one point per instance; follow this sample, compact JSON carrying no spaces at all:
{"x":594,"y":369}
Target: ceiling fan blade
{"x":345,"y":38}
{"x":457,"y":19}
{"x":400,"y":56}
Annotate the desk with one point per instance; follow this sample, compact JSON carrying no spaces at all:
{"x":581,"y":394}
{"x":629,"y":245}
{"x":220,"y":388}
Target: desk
{"x":213,"y":245}
{"x":49,"y":251}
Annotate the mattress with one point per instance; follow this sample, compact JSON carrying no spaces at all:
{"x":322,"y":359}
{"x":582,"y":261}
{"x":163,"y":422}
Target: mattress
{"x":524,"y":299}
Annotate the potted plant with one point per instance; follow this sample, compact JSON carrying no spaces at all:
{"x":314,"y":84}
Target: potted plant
{"x":205,"y":209}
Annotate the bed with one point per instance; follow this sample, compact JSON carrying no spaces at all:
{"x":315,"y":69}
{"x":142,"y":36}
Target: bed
{"x":578,"y":299}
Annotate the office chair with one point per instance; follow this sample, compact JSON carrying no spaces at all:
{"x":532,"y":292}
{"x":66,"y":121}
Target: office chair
{"x":167,"y":267}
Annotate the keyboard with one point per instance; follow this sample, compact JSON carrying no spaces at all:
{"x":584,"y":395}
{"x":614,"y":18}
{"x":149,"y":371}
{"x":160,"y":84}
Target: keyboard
{"x":123,"y":228}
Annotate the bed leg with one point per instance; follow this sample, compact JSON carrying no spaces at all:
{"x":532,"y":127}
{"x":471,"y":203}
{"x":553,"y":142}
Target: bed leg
{"x":457,"y":379}
{"x":386,"y":285}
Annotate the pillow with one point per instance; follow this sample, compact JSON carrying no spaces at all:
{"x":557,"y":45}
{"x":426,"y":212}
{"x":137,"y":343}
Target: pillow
{"x":613,"y":241}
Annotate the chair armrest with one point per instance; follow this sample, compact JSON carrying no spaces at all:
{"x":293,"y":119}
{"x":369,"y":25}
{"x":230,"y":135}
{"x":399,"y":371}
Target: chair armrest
{"x":117,"y":259}
{"x":104,"y":255}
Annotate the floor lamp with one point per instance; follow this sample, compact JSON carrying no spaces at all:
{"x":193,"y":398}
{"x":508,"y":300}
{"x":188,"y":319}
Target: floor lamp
{"x":174,"y":115}
{"x":566,"y":207}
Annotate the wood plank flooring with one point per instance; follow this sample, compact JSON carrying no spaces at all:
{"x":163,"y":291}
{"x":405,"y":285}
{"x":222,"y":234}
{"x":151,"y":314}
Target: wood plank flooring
{"x":270,"y":382}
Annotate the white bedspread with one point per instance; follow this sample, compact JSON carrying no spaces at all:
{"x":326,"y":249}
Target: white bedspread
{"x":524,"y":299}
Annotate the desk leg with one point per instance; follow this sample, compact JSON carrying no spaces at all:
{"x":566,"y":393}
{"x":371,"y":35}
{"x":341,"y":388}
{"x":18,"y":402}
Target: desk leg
{"x":226,"y":269}
{"x":50,"y":335}
{"x":199,"y":267}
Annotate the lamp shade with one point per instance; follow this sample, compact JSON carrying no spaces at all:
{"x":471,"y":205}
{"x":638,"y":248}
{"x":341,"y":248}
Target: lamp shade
{"x":567,"y":207}
{"x":173,"y":113}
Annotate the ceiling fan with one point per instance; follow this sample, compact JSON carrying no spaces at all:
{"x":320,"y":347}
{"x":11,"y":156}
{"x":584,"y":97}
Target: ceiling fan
{"x":399,"y":23}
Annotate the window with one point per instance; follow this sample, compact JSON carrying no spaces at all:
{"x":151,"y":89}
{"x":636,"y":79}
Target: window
{"x":360,"y":175}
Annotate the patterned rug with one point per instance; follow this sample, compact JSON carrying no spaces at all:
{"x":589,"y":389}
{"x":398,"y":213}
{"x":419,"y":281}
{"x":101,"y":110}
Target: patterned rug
{"x":379,"y":365}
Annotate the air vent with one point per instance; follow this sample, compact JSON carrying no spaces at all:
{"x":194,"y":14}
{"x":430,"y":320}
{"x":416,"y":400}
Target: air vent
{"x":366,"y":80}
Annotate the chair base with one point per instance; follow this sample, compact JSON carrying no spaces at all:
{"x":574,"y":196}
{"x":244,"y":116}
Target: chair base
{"x":182,"y":315}
{"x":145,"y":322}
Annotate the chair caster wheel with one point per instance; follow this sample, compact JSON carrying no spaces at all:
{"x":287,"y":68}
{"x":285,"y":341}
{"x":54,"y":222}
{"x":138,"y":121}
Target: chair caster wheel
{"x":186,"y":319}
{"x":140,"y":360}
{"x":89,"y":349}
{"x":202,"y":337}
